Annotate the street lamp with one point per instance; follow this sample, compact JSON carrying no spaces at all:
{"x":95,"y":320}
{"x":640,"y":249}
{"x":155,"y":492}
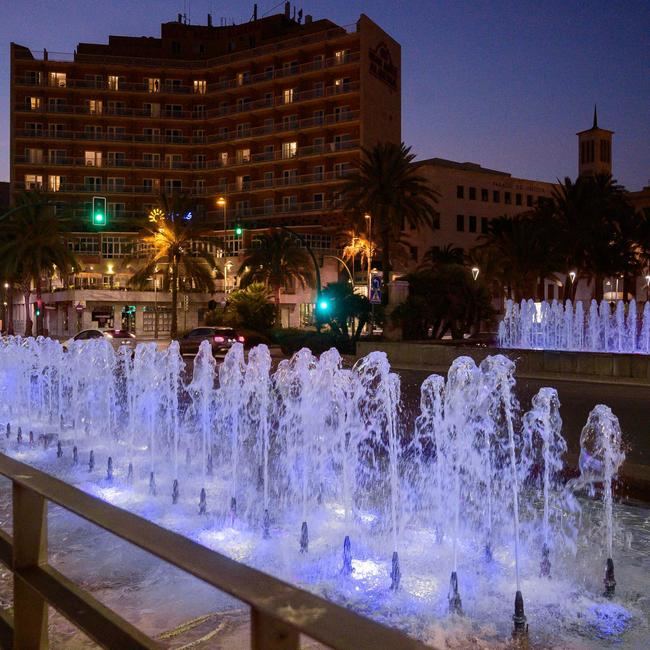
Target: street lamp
{"x":368,"y":218}
{"x":647,"y":287}
{"x":475,"y":272}
{"x":221,"y":202}
{"x":226,"y":267}
{"x":572,"y":275}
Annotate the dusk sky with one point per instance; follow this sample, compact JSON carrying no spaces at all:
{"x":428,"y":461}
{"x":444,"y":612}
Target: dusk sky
{"x":503,"y":84}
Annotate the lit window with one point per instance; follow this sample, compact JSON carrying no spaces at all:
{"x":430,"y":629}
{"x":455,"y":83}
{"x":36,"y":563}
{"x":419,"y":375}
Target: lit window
{"x":243,"y":155}
{"x":33,"y":103}
{"x":54,"y":183}
{"x":341,"y":85}
{"x":289,"y":149}
{"x":243,"y":78}
{"x":33,"y":182}
{"x":153,"y":84}
{"x":200,"y":86}
{"x":288,"y":96}
{"x":341,"y":56}
{"x":57,"y":79}
{"x":93,"y":158}
{"x":95,"y":106}
{"x":113,"y":82}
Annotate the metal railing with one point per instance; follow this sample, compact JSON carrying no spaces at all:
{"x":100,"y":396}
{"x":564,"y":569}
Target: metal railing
{"x":279,"y":611}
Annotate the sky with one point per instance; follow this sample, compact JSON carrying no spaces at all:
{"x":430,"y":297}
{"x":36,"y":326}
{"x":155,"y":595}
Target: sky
{"x":506,"y":84}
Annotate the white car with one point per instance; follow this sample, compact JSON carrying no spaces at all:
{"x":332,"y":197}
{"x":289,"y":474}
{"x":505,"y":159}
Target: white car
{"x":117,"y":338}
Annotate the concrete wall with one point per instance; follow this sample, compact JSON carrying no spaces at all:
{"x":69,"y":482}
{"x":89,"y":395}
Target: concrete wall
{"x":575,"y":365}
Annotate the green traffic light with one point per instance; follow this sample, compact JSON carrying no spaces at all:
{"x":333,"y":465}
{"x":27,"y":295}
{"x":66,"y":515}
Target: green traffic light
{"x":99,"y":218}
{"x":239,"y":231}
{"x":323,"y":305}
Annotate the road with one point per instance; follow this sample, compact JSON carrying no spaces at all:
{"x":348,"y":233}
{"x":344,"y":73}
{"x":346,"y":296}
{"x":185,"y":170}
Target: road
{"x":631,"y":404}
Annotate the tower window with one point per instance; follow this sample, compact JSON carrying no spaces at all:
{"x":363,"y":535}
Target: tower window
{"x":472,"y":194}
{"x":460,"y":191}
{"x":460,"y":222}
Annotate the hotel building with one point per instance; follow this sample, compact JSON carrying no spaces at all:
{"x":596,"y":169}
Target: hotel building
{"x":269,"y":114}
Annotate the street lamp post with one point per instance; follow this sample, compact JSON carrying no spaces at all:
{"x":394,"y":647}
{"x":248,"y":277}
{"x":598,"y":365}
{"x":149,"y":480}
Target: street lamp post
{"x":221,"y":202}
{"x":647,"y":287}
{"x":368,"y":218}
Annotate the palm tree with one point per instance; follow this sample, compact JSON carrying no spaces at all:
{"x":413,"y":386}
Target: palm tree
{"x":437,"y":257}
{"x":277,"y":260}
{"x":31,"y":246}
{"x":386,"y":185}
{"x":174,"y":242}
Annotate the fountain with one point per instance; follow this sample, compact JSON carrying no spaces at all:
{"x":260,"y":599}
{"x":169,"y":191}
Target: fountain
{"x":608,"y":327}
{"x":468,"y":497}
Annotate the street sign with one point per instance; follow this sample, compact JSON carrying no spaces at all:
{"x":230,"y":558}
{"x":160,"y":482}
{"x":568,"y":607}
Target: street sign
{"x":375,"y":290}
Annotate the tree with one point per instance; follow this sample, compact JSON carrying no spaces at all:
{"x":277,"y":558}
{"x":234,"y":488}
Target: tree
{"x":31,"y":246}
{"x":447,"y":300}
{"x":386,"y":185}
{"x":174,"y":241}
{"x":277,"y":261}
{"x":251,"y":308}
{"x":342,"y":307}
{"x":437,"y":257}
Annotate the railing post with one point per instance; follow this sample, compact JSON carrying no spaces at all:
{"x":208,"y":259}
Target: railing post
{"x":29,"y":550}
{"x":268,"y":633}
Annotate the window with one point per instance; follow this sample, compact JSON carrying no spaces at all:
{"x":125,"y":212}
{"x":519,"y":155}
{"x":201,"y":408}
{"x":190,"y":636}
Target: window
{"x":173,"y":135}
{"x":115,"y":184}
{"x":341,"y":56}
{"x":198,"y":111}
{"x":341,"y":169}
{"x":33,"y":78}
{"x":484,"y":195}
{"x":87,"y":245}
{"x":57,"y":79}
{"x":319,"y":118}
{"x":173,"y":85}
{"x":289,"y":176}
{"x":268,"y":180}
{"x":318,"y":200}
{"x":242,"y":208}
{"x":152,"y":110}
{"x":341,"y":113}
{"x":319,"y":89}
{"x":33,"y":129}
{"x":198,"y":136}
{"x":223,"y":158}
{"x":173,"y":161}
{"x":153,"y":84}
{"x":93,"y":158}
{"x":269,"y":125}
{"x":54,"y":183}
{"x":484,"y":225}
{"x":200,"y":86}
{"x":151,"y":160}
{"x":173,"y":185}
{"x":56,"y":130}
{"x":269,"y":152}
{"x":243,"y":156}
{"x":116,"y":133}
{"x":268,"y":72}
{"x":91,"y":132}
{"x":289,"y":122}
{"x":93,"y":80}
{"x":243,"y":182}
{"x":199,"y":186}
{"x":529,"y":201}
{"x":93,"y":183}
{"x":460,"y":191}
{"x":34,"y":155}
{"x":268,"y":206}
{"x":472,"y":223}
{"x":243,"y":78}
{"x":518,"y":199}
{"x":507,"y":198}
{"x":319,"y":61}
{"x":94,"y":106}
{"x":605,"y":151}
{"x":460,"y":222}
{"x":33,"y":103}
{"x":56,"y":105}
{"x":342,"y":85}
{"x":113,"y":82}
{"x":289,"y":203}
{"x":319,"y":173}
{"x":288,"y":96}
{"x":472,"y":194}
{"x":115,"y":246}
{"x":173,"y":110}
{"x":116,"y":159}
{"x":289,"y":149}
{"x":151,"y":185}
{"x":151,"y":135}
{"x":243,"y":129}
{"x":243,"y":104}
{"x":199,"y":161}
{"x":496,"y":196}
{"x":55,"y":155}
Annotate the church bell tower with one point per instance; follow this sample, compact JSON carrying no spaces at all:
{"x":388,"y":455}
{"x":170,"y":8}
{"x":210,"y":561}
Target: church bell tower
{"x":595,"y":150}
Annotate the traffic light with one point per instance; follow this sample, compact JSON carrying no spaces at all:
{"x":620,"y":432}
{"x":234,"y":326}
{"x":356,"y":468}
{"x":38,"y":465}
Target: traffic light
{"x":239,"y":230}
{"x":99,"y":211}
{"x":38,"y":308}
{"x":323,"y":305}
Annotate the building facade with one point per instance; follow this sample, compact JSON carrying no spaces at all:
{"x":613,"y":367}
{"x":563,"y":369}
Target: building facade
{"x":269,"y":115}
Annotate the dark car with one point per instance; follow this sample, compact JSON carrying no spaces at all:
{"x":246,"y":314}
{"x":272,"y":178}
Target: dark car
{"x":117,"y":338}
{"x":221,"y":339}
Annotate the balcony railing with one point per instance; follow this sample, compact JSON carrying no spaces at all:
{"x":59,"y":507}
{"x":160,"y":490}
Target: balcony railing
{"x":213,"y":113}
{"x":204,"y":64}
{"x":280,"y":612}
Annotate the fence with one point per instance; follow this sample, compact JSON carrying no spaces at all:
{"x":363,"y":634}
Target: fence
{"x":279,"y":611}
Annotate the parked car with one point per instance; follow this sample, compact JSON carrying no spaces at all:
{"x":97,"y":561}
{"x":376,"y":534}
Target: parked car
{"x":117,"y":338}
{"x":221,"y":339}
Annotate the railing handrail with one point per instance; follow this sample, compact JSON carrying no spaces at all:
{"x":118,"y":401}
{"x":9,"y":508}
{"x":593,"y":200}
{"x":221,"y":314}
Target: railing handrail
{"x":272,"y":599}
